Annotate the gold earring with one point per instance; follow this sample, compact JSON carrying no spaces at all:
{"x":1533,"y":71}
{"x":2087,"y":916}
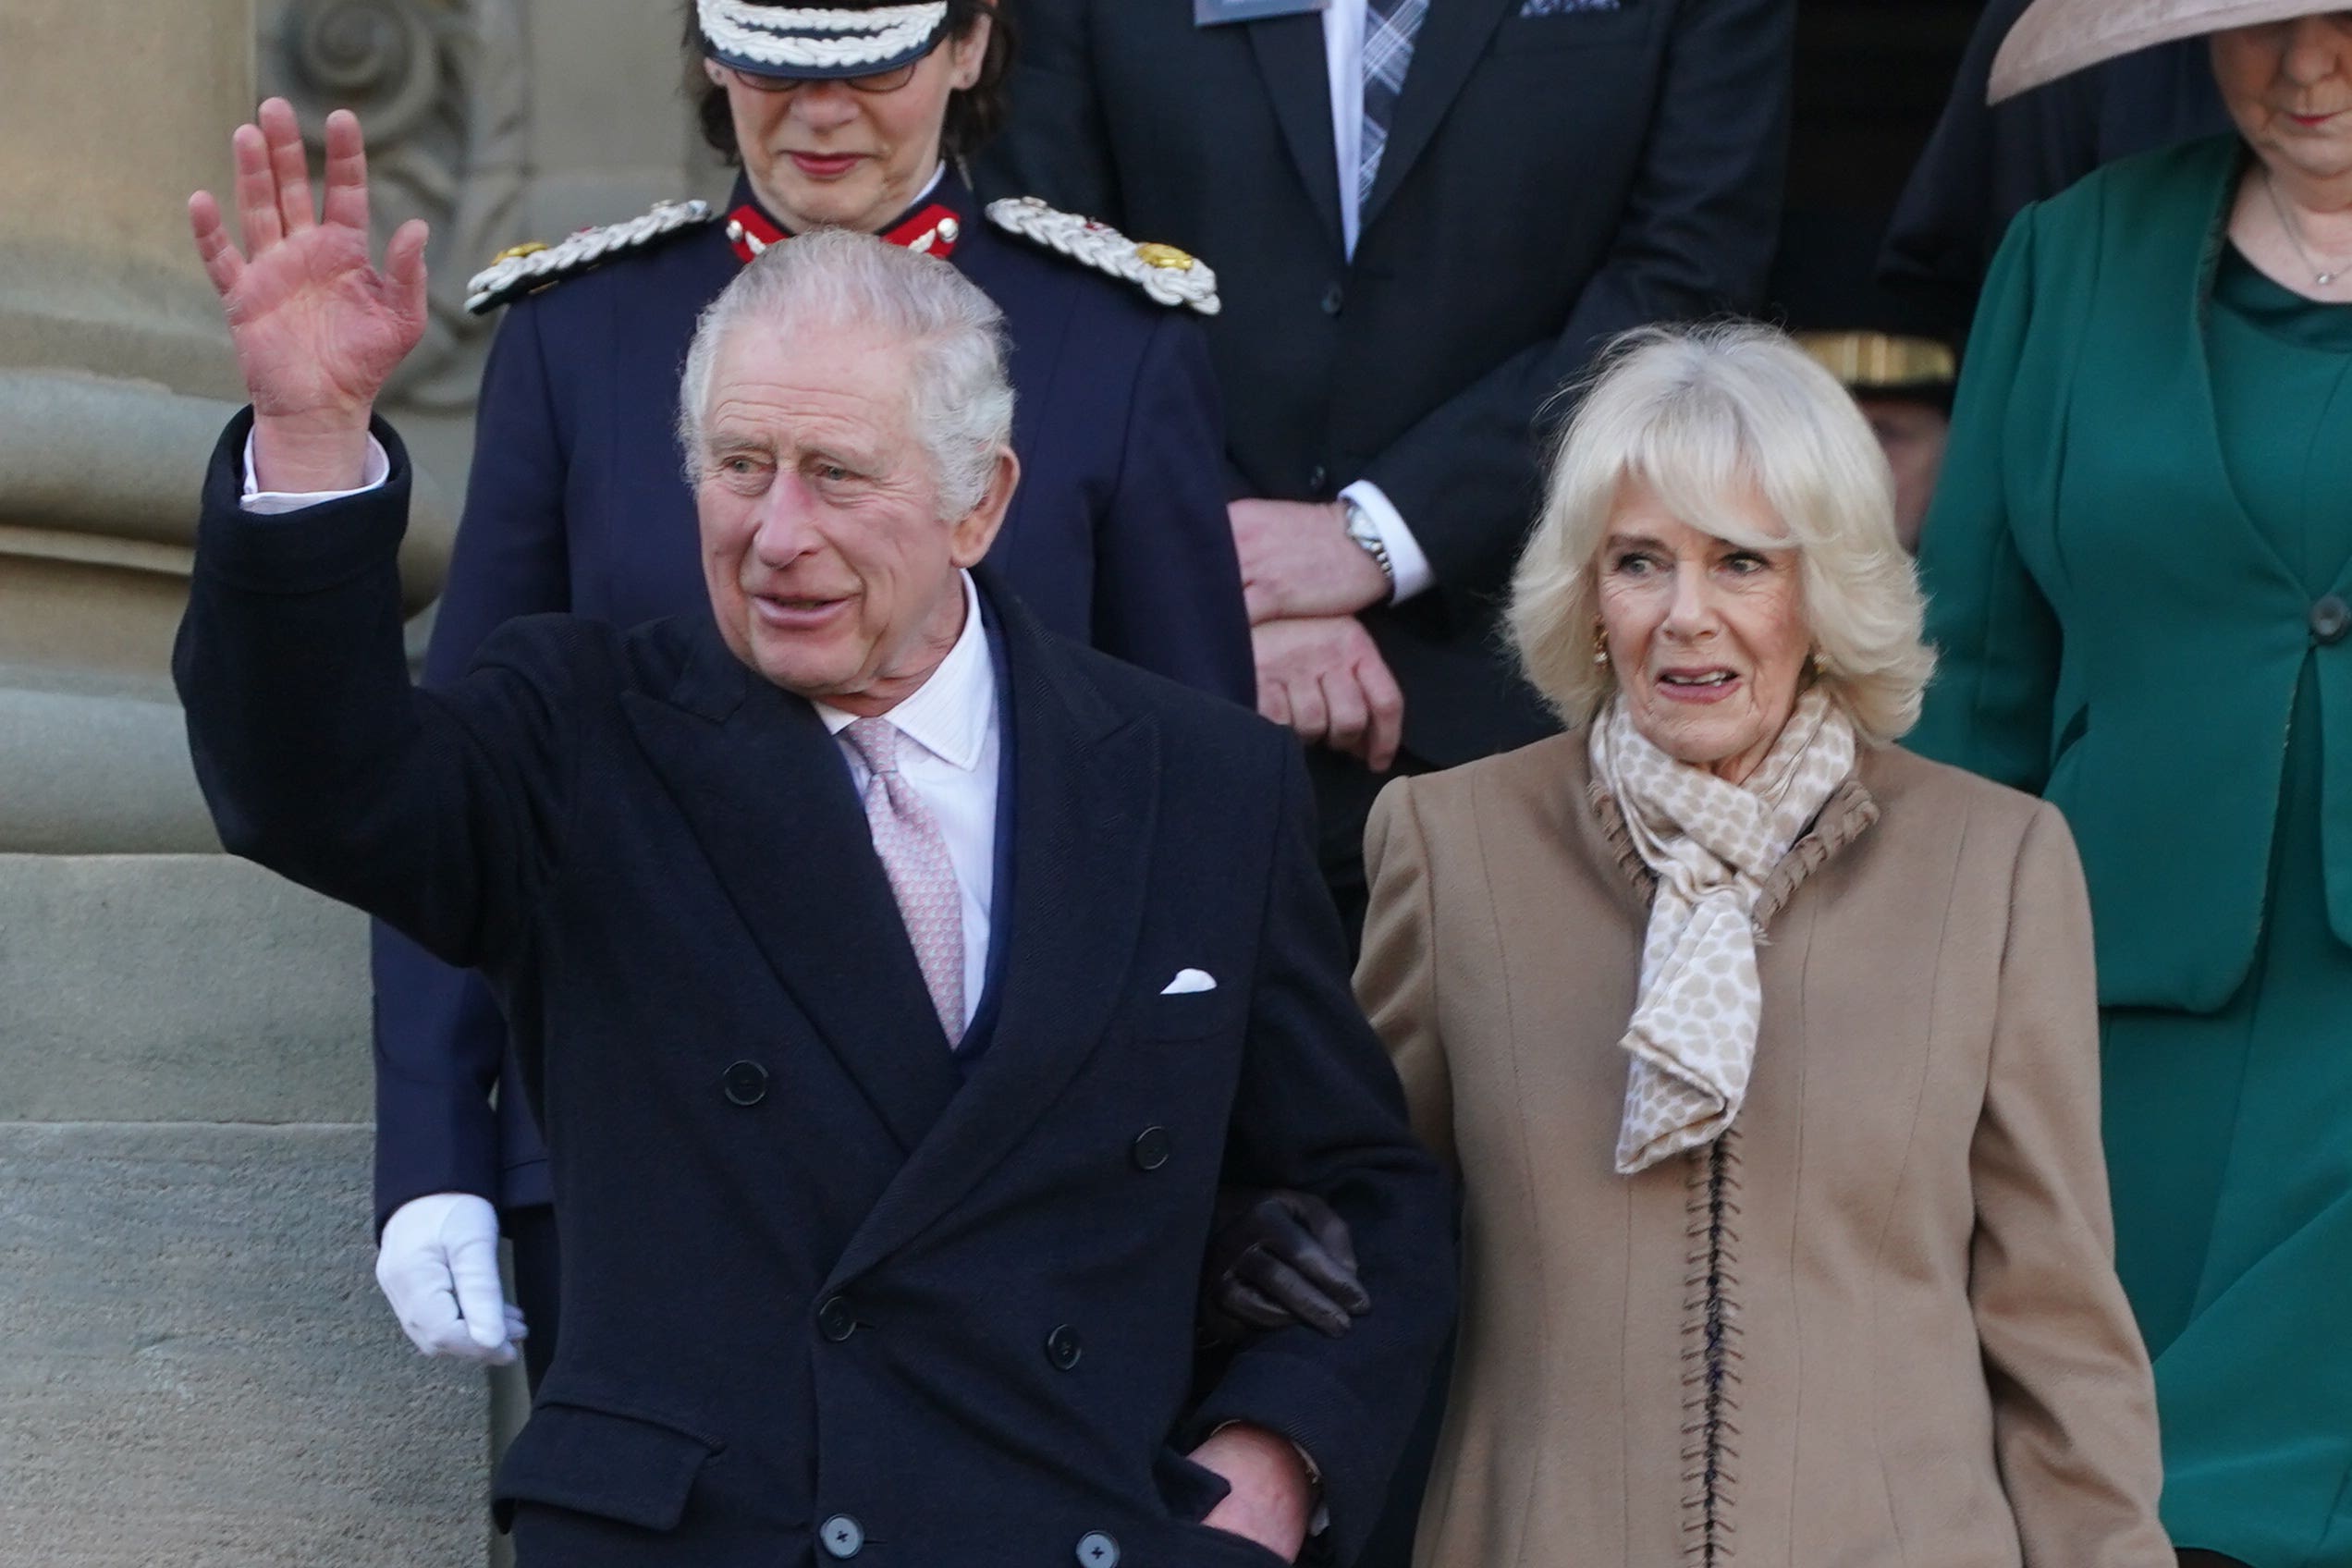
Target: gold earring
{"x":1600,"y":645}
{"x":1820,"y":664}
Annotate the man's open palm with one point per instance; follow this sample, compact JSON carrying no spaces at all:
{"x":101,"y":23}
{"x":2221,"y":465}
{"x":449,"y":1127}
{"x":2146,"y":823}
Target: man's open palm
{"x":317,"y":328}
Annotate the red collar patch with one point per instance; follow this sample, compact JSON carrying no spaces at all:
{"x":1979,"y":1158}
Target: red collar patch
{"x":934,"y":231}
{"x":749,"y":232}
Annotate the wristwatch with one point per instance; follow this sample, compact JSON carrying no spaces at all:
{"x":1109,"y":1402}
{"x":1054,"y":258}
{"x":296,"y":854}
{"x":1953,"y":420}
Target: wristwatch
{"x":1366,"y":533}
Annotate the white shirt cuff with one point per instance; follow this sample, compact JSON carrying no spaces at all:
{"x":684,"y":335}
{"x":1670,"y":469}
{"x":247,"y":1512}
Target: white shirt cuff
{"x":270,"y":503}
{"x":1406,"y":558}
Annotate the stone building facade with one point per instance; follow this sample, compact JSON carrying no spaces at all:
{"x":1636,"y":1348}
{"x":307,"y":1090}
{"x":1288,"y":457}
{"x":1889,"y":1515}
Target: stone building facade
{"x":195,"y":1367}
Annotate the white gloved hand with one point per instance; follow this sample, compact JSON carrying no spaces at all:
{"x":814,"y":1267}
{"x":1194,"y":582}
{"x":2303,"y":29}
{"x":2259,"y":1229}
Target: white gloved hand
{"x":438,"y":1266}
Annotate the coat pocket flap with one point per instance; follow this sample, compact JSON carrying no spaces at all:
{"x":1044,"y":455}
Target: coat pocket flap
{"x":1193,"y":1015}
{"x":1190,"y":1488}
{"x":623,"y":1467}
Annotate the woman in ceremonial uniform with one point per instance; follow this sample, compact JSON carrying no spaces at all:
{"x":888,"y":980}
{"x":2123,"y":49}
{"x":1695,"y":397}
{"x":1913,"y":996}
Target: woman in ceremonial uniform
{"x":2140,"y":561}
{"x":846,"y":115}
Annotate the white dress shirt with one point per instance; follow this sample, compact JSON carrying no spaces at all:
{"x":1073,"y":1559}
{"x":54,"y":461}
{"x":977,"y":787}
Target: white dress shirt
{"x":954,"y":745}
{"x":951,"y":721}
{"x":1343,"y":52}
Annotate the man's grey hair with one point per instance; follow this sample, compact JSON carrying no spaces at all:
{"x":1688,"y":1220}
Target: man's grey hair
{"x":961,"y":400}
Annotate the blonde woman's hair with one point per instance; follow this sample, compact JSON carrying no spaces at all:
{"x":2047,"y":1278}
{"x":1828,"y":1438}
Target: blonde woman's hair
{"x":1705,"y":415}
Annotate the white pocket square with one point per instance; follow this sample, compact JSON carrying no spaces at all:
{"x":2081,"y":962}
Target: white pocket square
{"x":1187,"y":981}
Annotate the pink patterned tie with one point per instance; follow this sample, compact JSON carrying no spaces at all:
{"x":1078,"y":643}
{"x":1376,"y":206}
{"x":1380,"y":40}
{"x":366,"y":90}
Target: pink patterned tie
{"x":914,"y":856}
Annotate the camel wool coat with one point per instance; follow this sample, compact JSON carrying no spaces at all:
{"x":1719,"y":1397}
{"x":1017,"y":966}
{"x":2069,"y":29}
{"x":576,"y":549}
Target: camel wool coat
{"x":1877,"y":1325}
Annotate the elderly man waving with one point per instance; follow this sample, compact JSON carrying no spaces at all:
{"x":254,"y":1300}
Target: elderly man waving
{"x":895,"y":983}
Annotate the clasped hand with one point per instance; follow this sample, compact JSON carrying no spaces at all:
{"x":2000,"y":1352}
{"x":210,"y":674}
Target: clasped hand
{"x":317,"y":328}
{"x":1318,"y":670}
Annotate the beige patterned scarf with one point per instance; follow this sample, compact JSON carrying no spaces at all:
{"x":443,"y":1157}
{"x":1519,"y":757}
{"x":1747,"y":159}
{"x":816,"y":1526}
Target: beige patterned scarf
{"x":1711,"y":844}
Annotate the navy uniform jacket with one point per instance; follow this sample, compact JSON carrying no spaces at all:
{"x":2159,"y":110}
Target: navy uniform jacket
{"x":1117,"y":537}
{"x":819,"y":1293}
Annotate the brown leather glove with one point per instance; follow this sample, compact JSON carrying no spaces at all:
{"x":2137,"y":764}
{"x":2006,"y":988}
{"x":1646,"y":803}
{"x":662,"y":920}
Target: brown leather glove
{"x":1277,"y":1258}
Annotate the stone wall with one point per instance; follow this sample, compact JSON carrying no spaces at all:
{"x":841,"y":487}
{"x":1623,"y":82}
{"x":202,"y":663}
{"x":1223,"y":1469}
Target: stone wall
{"x":195,"y":1367}
{"x":197,"y":1370}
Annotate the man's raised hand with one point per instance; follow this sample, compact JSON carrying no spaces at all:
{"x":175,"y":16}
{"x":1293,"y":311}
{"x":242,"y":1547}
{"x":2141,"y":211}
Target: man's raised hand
{"x":317,"y":329}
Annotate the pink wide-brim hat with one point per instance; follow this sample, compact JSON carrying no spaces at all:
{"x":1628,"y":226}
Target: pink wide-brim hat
{"x":2055,"y":38}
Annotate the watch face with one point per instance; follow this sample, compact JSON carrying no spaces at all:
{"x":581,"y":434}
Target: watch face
{"x":1366,"y":535}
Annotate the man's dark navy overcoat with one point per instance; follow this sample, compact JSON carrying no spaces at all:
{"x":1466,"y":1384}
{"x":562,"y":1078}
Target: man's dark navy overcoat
{"x":823,"y":1296}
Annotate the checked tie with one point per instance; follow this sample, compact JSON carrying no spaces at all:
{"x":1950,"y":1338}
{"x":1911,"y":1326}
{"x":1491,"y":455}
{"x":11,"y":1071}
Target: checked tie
{"x":914,"y":856}
{"x":1389,"y":30}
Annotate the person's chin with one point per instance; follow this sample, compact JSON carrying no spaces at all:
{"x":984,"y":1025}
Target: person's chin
{"x":1697,"y":739}
{"x":835,"y":199}
{"x":796,"y":663}
{"x":2320,"y":151}
{"x":798,"y":676}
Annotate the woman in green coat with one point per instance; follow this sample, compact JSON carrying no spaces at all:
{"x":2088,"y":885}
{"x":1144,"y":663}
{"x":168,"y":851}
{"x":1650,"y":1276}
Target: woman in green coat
{"x":2140,"y":569}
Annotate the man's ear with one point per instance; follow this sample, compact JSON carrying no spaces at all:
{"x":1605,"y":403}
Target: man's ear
{"x":972,"y":533}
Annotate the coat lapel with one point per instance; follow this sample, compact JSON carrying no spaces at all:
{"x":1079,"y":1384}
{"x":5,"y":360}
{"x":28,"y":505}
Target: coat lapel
{"x":1453,"y":34}
{"x":765,"y":790}
{"x":1085,"y":782}
{"x":1298,"y":82}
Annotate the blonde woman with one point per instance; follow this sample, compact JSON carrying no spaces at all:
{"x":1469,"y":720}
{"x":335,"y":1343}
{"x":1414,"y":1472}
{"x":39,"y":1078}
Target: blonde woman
{"x":1765,"y":1051}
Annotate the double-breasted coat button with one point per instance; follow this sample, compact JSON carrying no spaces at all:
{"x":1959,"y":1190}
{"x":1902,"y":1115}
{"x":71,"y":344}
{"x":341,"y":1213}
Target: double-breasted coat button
{"x":747,"y":1083}
{"x":1097,"y":1550}
{"x":2331,"y":619}
{"x":1151,"y":1148}
{"x":843,"y":1536}
{"x":1063,"y":1347}
{"x":1334,"y":300}
{"x":835,"y":1319}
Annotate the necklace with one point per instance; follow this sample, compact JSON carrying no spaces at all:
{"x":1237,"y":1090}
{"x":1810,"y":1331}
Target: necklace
{"x":2324,"y":278}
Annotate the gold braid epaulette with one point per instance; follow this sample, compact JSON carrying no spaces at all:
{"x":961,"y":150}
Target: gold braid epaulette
{"x":530,"y":268}
{"x":1167,"y":274}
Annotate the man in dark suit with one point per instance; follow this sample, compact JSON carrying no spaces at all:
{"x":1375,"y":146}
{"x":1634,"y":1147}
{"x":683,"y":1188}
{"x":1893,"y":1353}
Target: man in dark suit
{"x":894,"y":982}
{"x":1426,"y":217}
